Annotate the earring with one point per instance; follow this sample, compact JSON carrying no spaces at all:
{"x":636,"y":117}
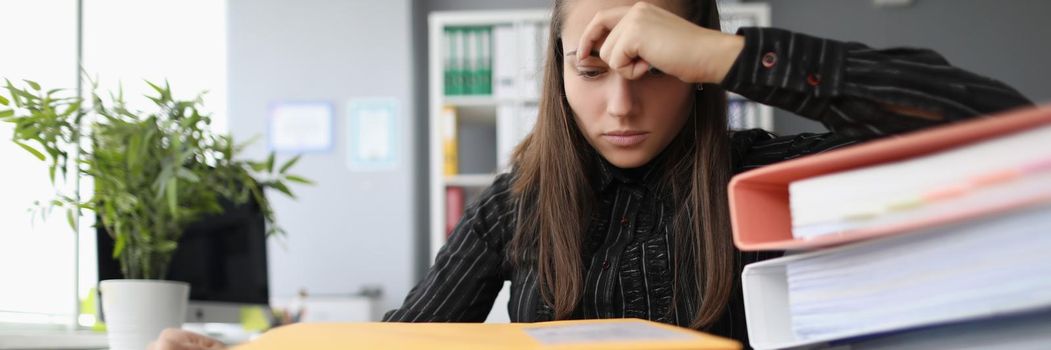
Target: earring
{"x":700,"y":87}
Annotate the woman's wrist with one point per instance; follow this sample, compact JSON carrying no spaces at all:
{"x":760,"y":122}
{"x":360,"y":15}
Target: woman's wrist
{"x":729,"y":50}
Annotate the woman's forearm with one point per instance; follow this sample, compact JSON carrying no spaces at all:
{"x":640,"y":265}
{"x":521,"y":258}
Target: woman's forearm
{"x":857,"y":90}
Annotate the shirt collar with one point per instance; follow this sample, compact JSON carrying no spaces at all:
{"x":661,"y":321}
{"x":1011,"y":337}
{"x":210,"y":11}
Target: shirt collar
{"x":608,"y":174}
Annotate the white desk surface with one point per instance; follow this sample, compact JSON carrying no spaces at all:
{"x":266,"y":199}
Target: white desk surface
{"x":52,"y":340}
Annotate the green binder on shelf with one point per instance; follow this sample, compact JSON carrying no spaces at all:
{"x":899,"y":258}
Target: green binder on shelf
{"x":485,"y":66}
{"x":470,"y":73}
{"x":468,"y":61}
{"x":447,"y":60}
{"x":455,"y":67}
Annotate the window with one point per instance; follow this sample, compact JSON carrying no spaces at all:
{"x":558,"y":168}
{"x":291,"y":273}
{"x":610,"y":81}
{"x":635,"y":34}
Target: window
{"x":124,"y":42}
{"x":181,"y":41}
{"x":36,"y":258}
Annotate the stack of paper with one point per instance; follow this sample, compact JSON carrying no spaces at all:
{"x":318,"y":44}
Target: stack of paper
{"x":990,"y":262}
{"x":911,"y":240}
{"x":1013,"y":332}
{"x":999,"y":172}
{"x":994,"y":265}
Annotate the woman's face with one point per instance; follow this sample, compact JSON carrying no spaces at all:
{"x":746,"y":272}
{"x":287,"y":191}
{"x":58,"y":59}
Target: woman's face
{"x":628,"y":121}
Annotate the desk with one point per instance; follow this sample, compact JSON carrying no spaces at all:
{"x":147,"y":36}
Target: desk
{"x":52,"y":340}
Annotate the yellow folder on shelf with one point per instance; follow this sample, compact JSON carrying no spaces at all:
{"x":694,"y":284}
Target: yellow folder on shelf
{"x":623,"y":334}
{"x":450,"y":159}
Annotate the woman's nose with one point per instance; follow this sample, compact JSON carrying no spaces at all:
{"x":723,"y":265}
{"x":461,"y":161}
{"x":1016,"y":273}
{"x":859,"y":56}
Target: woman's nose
{"x":621,"y":99}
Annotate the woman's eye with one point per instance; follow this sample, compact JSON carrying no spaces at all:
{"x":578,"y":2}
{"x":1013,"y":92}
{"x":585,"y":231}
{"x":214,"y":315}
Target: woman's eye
{"x":589,"y":73}
{"x":595,"y":73}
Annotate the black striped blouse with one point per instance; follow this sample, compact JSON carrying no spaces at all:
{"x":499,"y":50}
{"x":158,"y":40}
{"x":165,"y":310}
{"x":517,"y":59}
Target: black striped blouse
{"x":846,"y":86}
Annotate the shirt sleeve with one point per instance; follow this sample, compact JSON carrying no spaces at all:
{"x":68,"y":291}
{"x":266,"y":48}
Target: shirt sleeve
{"x":855,"y":91}
{"x":466,"y":276}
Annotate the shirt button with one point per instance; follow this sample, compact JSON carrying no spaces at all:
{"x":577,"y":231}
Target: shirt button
{"x":813,"y":79}
{"x":769,"y":59}
{"x":605,"y":264}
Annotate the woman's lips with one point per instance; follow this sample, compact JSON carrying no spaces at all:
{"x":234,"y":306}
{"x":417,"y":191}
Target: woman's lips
{"x":625,"y":139}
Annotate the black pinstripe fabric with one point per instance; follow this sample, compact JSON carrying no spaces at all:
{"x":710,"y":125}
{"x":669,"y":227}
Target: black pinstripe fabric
{"x":845,"y":86}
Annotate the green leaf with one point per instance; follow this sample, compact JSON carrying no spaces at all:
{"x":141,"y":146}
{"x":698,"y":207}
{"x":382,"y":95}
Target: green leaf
{"x":277,"y":185}
{"x":257,"y":166}
{"x":159,"y":89}
{"x":172,"y":199}
{"x":238,"y":148}
{"x":133,"y":152}
{"x":270,"y":163}
{"x":51,"y":173}
{"x":166,"y":247}
{"x":4,"y":101}
{"x":32,"y":150}
{"x":118,"y":246}
{"x":6,"y":113}
{"x":33,"y":84}
{"x":19,"y":95}
{"x":187,"y":175}
{"x":289,"y":164}
{"x":69,"y":110}
{"x":162,"y":181}
{"x":72,"y":221}
{"x":299,"y":179}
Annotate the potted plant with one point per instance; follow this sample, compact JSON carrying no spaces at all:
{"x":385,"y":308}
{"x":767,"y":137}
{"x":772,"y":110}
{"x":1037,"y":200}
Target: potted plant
{"x":154,"y":173}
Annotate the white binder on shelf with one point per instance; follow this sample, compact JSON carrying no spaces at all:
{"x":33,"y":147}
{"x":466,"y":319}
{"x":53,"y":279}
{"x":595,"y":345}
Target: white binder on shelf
{"x":513,"y":123}
{"x":504,"y":53}
{"x":529,"y":39}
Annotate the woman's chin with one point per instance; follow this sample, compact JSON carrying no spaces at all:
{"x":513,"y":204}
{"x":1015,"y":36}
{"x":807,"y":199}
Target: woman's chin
{"x":628,"y":159}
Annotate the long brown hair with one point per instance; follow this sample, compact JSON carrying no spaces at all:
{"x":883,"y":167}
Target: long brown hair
{"x":555,"y":195}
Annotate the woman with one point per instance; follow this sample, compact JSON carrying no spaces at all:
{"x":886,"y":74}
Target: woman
{"x":616,"y":204}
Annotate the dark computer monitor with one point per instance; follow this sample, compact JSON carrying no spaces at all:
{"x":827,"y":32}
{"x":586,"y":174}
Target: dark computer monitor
{"x":223,"y":257}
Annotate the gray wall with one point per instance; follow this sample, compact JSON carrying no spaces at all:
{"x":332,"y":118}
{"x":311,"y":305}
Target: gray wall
{"x":354,"y":228}
{"x":1003,"y":39}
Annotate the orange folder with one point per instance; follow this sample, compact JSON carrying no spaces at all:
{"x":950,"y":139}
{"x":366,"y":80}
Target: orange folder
{"x":595,"y":334}
{"x":759,"y":203}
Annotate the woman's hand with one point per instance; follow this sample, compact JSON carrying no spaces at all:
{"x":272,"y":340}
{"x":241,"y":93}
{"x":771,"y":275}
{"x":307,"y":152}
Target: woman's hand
{"x":631,"y":39}
{"x":177,"y":339}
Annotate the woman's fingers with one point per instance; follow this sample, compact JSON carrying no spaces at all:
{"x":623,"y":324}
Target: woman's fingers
{"x":597,"y":30}
{"x":619,"y":47}
{"x":633,"y":40}
{"x":177,"y":339}
{"x":164,"y":344}
{"x":610,"y":42}
{"x":624,"y":59}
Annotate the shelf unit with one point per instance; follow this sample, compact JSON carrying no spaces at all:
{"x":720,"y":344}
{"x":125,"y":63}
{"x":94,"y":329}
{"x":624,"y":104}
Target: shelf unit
{"x":476,"y":116}
{"x":479,"y":111}
{"x":485,"y":131}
